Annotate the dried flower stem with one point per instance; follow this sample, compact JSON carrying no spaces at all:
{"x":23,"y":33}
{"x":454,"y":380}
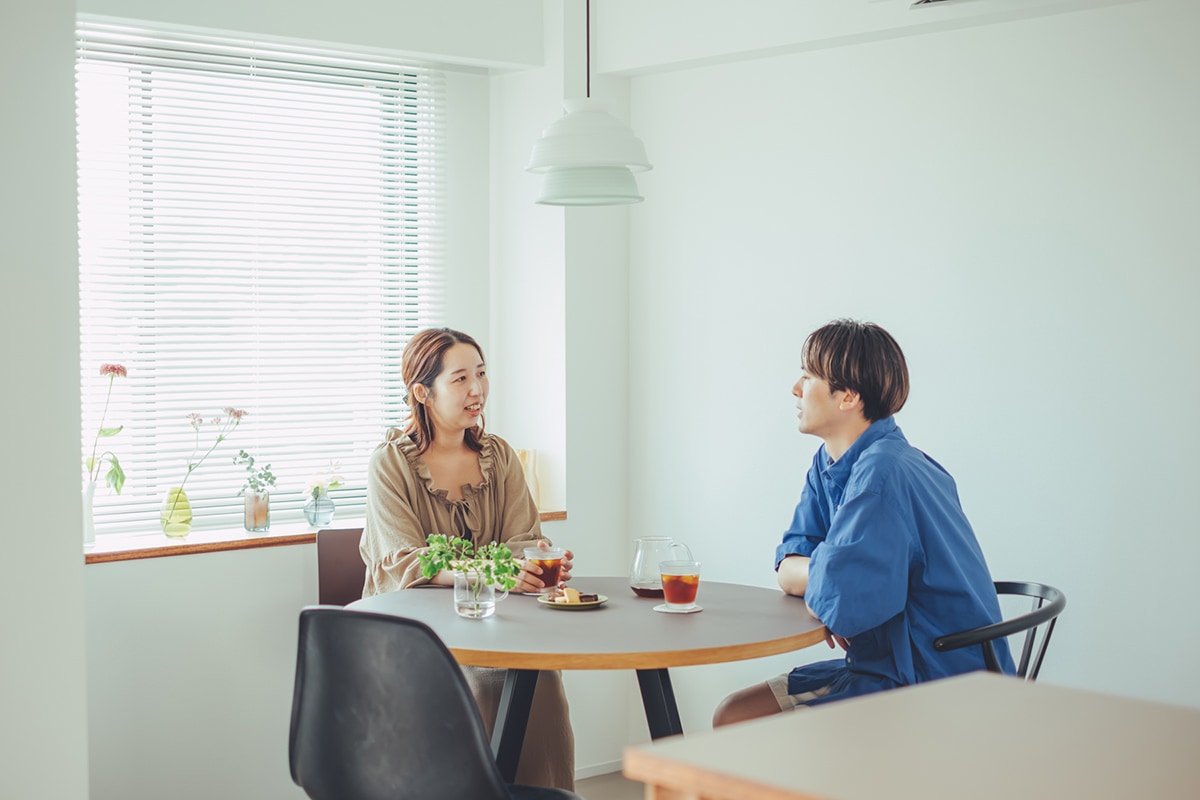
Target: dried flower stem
{"x":233,"y":418}
{"x":94,"y":472}
{"x":116,"y":476}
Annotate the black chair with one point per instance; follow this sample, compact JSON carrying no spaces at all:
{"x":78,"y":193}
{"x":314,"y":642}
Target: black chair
{"x":340,"y":569}
{"x":381,"y":711}
{"x":1048,"y":603}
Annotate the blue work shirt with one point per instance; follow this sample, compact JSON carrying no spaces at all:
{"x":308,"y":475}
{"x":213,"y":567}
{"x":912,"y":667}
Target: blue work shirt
{"x":894,"y":565}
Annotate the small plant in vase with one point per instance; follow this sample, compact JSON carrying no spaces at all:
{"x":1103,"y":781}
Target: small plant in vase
{"x":257,"y":491}
{"x":320,"y":507}
{"x":479,"y":573}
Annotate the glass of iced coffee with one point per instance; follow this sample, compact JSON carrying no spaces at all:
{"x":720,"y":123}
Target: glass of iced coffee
{"x":680,"y":583}
{"x":550,"y":559}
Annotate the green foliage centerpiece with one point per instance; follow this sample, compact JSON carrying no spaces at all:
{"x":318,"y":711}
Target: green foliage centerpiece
{"x":478,"y":572}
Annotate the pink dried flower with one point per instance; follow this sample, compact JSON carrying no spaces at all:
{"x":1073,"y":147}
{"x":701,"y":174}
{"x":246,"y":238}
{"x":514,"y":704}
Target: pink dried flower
{"x":115,"y":477}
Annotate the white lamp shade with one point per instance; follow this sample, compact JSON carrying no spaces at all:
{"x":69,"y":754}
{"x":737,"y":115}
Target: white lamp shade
{"x":588,"y":157}
{"x":589,"y":186}
{"x":587,"y":136}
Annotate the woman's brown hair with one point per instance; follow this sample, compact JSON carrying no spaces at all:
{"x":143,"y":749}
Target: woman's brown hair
{"x":422,"y":363}
{"x":861,"y":357}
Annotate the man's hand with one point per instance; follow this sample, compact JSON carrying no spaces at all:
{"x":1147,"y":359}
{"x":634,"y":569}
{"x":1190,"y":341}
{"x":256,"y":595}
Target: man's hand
{"x":831,"y":637}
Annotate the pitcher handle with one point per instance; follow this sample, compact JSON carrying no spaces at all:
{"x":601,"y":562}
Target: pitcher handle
{"x":676,"y":547}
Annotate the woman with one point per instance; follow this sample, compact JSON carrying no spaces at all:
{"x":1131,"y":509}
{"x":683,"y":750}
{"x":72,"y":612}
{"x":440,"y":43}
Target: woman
{"x":444,"y":474}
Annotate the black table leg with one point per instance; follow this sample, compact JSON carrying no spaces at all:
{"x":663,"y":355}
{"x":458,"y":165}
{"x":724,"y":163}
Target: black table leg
{"x":659,"y":699}
{"x":512,"y":717}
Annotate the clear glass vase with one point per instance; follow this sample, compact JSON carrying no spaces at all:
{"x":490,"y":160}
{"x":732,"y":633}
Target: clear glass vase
{"x":258,"y":511}
{"x":176,"y":514}
{"x":89,"y":519}
{"x":319,"y":510}
{"x":474,"y":597}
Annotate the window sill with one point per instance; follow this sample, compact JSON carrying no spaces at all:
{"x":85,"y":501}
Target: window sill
{"x":129,"y":548}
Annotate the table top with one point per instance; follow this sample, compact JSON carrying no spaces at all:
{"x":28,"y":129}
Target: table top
{"x":738,"y":622}
{"x":982,"y":736}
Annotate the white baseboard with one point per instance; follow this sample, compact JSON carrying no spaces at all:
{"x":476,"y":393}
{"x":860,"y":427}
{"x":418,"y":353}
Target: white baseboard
{"x":597,"y":769}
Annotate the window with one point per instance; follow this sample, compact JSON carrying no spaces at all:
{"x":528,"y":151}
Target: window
{"x":258,"y":229}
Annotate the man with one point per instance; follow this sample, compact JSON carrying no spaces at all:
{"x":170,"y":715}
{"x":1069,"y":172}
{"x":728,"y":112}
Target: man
{"x":879,"y":546}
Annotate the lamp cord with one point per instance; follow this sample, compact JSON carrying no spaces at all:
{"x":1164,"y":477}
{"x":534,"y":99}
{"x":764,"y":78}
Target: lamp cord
{"x":587,"y":13}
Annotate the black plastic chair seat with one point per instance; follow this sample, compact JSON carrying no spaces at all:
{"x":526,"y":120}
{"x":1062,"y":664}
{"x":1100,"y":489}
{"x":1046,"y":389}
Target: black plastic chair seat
{"x":381,"y":711}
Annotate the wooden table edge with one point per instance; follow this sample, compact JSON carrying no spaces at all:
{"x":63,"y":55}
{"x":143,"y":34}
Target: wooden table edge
{"x":639,"y":660}
{"x":670,"y":780}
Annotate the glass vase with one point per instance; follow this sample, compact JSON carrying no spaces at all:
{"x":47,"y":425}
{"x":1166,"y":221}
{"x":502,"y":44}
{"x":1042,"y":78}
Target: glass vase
{"x":319,"y":511}
{"x":176,"y":514}
{"x":89,"y":520}
{"x":258,"y":511}
{"x":474,"y":597}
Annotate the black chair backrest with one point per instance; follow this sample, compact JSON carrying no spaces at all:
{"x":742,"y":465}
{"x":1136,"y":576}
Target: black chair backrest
{"x":1048,"y":603}
{"x":340,"y":569}
{"x":381,"y":711}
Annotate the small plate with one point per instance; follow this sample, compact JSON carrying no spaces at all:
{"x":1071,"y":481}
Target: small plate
{"x":546,"y":601}
{"x":666,"y":609}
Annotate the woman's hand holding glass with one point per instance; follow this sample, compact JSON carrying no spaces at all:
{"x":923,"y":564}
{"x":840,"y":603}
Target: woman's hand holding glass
{"x":544,"y":568}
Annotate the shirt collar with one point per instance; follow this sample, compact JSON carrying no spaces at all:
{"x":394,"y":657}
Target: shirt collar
{"x":840,"y":470}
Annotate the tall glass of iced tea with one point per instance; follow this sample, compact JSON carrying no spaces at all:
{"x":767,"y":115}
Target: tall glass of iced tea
{"x":550,"y":560}
{"x":680,"y":582}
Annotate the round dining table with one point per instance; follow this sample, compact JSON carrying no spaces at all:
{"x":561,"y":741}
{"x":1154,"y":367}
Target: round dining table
{"x":624,"y":631}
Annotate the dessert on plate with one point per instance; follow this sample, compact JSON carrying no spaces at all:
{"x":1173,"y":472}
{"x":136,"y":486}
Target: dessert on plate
{"x":565,"y":595}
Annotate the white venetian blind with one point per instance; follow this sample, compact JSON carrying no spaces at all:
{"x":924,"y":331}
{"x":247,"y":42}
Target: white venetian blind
{"x":259,"y":228}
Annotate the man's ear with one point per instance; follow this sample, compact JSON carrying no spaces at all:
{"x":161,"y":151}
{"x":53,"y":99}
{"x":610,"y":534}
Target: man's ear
{"x":420,"y":393}
{"x":850,"y":400}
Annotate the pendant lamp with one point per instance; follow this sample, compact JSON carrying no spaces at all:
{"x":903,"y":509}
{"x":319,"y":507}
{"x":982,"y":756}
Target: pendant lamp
{"x":588,"y":156}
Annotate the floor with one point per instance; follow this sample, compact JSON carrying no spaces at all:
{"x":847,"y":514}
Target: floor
{"x":613,"y":786}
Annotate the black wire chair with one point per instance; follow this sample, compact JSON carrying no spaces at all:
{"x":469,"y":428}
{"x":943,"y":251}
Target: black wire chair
{"x":1048,"y":603}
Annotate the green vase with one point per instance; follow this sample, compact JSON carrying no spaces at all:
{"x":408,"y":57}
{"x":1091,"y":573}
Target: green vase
{"x":176,"y":514}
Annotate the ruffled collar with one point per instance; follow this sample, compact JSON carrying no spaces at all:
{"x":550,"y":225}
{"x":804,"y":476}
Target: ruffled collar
{"x":487,"y":459}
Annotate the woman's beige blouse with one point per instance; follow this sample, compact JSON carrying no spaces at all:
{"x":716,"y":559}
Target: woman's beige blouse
{"x":403,"y":508}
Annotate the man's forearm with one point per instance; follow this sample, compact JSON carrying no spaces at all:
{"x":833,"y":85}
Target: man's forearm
{"x":793,"y":575}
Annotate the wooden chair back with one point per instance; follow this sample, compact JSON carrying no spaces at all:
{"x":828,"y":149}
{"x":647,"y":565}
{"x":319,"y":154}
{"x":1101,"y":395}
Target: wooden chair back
{"x":340,"y":569}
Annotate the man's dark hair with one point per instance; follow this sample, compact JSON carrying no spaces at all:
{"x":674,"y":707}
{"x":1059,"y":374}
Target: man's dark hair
{"x":861,"y":357}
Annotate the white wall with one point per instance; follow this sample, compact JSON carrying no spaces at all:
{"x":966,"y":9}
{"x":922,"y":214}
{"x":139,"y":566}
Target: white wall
{"x":1016,"y":203}
{"x":42,"y":702}
{"x":190,"y":668}
{"x":633,"y":37}
{"x":474,"y":32}
{"x":527,"y":405}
